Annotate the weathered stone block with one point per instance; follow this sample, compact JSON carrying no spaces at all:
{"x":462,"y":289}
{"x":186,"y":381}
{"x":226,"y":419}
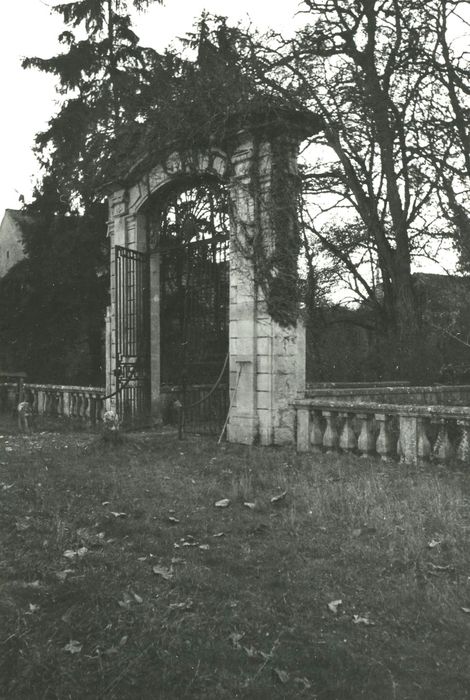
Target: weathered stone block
{"x":264,"y":399}
{"x":264,"y":382}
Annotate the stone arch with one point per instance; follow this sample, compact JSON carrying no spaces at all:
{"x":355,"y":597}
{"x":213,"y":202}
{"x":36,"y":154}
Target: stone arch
{"x":267,"y":362}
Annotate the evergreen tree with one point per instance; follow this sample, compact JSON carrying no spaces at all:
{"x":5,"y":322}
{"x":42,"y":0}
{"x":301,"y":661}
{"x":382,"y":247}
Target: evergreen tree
{"x":102,"y":80}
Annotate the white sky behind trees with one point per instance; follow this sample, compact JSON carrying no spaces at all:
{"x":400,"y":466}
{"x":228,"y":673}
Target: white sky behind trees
{"x":29,"y":28}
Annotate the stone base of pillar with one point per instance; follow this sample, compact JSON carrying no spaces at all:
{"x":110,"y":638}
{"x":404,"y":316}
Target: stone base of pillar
{"x":242,"y":429}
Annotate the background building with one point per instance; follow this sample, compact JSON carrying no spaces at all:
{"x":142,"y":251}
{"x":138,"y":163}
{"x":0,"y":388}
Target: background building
{"x":11,"y":245}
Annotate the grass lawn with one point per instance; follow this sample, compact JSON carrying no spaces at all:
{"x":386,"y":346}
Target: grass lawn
{"x":121,"y":578}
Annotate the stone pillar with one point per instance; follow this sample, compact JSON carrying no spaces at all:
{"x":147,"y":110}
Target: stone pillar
{"x":267,"y":360}
{"x":117,"y":236}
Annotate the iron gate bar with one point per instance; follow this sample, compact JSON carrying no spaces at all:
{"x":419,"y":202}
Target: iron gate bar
{"x":193,"y":244}
{"x":132,"y":335}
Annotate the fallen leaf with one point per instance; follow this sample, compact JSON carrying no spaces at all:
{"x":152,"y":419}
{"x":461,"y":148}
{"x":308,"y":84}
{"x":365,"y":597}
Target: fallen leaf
{"x":219,"y":534}
{"x":304,"y":682}
{"x":279,"y":497}
{"x":62,"y":575}
{"x":67,"y":616}
{"x":33,"y":584}
{"x":362,"y":620}
{"x":73,"y":647}
{"x":167,"y":574}
{"x":142,"y":558}
{"x":366,"y":530}
{"x":123,"y":640}
{"x":106,"y":503}
{"x":436,"y":567}
{"x":118,"y":515}
{"x":173,"y":519}
{"x":205,"y":547}
{"x":434,"y":543}
{"x":70,"y":554}
{"x":111,"y":650}
{"x":235,"y":638}
{"x":137,"y":597}
{"x":251,"y":652}
{"x":334,"y":605}
{"x":33,"y":607}
{"x":23,"y":524}
{"x":223,"y":503}
{"x":282,"y":676}
{"x":189,"y":544}
{"x":466,"y":610}
{"x":185,"y":605}
{"x":126,"y":601}
{"x":247,"y":504}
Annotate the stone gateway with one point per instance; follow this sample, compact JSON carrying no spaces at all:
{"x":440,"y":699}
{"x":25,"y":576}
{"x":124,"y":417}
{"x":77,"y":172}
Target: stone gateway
{"x":266,"y":359}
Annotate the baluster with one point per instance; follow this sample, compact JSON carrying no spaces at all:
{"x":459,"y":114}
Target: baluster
{"x":463,"y":450}
{"x":347,"y":440}
{"x":303,"y":428}
{"x":384,"y":444}
{"x":316,"y":432}
{"x":73,"y":404}
{"x":47,"y":401}
{"x":442,"y":448}
{"x":41,"y":401}
{"x":330,"y":436}
{"x":93,"y":404}
{"x":81,"y":405}
{"x":60,"y":403}
{"x":66,"y":404}
{"x":77,"y":405}
{"x":366,"y":439}
{"x":423,"y":447}
{"x":399,"y":445}
{"x":87,"y":398}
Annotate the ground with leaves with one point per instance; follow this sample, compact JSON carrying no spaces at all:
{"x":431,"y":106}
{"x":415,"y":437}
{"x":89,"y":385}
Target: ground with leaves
{"x":184,"y":569}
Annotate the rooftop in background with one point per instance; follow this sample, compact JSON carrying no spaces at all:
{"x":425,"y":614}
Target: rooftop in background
{"x":11,"y":243}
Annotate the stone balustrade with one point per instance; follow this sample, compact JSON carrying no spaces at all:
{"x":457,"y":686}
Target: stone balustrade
{"x":412,"y":433}
{"x":78,"y":402}
{"x":401,"y":393}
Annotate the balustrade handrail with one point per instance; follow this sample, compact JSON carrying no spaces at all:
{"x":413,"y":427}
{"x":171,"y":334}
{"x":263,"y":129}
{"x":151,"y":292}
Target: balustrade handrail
{"x":313,"y":392}
{"x":64,"y":387}
{"x":412,"y":410}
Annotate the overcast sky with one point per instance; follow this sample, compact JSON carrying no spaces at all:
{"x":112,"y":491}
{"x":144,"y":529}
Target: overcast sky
{"x":28,"y":28}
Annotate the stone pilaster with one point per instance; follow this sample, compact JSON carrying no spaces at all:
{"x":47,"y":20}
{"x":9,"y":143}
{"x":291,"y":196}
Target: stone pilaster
{"x":267,"y":361}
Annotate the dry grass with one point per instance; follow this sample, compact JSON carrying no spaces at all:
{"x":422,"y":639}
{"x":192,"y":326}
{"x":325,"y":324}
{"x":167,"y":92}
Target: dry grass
{"x":246,"y":617}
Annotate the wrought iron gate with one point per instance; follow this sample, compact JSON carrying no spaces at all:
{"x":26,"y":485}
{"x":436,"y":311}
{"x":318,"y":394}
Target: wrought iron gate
{"x":194,"y":283}
{"x":132,"y":336}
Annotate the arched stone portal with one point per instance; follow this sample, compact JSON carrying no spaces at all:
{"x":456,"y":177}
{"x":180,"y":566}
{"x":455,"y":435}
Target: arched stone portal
{"x":266,"y":361}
